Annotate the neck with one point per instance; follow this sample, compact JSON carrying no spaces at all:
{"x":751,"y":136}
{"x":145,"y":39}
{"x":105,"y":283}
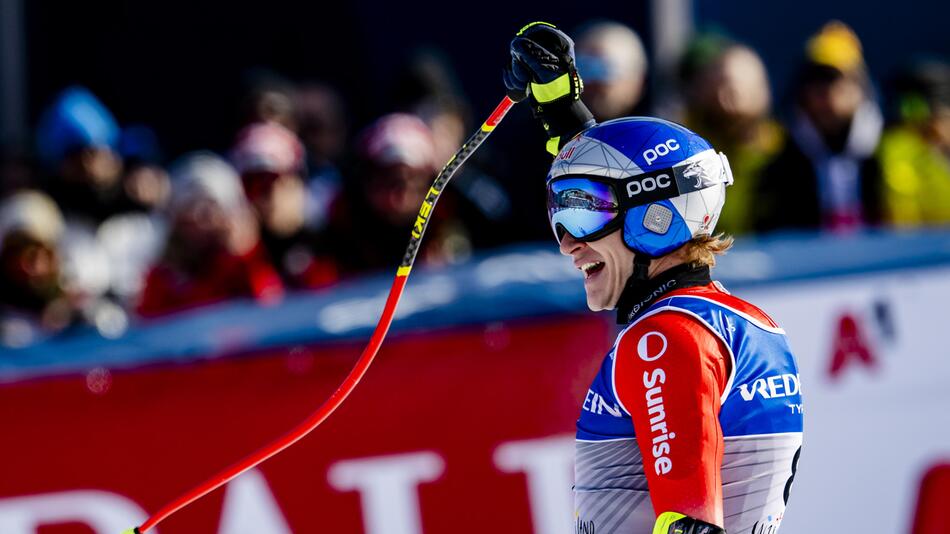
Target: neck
{"x":664,"y":264}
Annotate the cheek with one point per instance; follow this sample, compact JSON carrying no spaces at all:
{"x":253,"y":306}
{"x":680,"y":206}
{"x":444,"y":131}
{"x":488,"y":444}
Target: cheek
{"x":37,"y":263}
{"x":618,"y":278}
{"x":845,"y":97}
{"x":622,"y":269}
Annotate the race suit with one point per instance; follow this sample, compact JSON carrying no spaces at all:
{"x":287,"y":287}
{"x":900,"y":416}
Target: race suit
{"x":696,"y":409}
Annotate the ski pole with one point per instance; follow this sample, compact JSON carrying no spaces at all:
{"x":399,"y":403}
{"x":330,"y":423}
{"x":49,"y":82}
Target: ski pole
{"x":369,"y":353}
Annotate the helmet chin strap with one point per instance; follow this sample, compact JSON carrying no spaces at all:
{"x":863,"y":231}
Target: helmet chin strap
{"x":641,"y":268}
{"x":635,"y":285}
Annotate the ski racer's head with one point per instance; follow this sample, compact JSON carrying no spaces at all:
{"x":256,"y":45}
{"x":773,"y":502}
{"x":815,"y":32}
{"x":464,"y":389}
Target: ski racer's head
{"x":635,"y":192}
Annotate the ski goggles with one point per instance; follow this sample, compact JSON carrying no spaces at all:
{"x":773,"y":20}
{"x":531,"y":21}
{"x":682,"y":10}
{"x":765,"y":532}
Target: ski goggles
{"x":590,"y":207}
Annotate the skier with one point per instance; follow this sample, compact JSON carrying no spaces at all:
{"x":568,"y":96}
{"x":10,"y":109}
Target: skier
{"x":697,"y":408}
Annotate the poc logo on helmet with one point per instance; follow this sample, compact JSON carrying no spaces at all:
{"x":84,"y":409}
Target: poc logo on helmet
{"x":648,"y":184}
{"x":660,"y":150}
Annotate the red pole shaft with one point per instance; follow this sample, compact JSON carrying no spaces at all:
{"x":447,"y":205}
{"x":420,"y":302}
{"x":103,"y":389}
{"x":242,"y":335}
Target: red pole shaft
{"x":352,"y":379}
{"x":305,"y":427}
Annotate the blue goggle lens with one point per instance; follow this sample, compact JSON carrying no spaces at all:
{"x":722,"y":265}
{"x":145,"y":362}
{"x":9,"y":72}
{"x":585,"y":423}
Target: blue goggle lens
{"x":580,"y":207}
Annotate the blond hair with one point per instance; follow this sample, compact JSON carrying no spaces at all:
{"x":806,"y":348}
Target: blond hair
{"x":702,"y":250}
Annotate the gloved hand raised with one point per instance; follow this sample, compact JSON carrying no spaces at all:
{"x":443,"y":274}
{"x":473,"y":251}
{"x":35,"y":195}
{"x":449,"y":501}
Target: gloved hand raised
{"x":542,"y":69}
{"x":542,"y":65}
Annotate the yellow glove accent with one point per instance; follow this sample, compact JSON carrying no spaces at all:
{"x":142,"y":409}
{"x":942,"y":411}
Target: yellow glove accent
{"x":544,"y":93}
{"x":553,"y":145}
{"x":522,"y":30}
{"x":663,"y":522}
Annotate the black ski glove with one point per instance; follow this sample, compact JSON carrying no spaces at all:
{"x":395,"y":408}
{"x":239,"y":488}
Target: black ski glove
{"x":542,"y":69}
{"x":674,"y":523}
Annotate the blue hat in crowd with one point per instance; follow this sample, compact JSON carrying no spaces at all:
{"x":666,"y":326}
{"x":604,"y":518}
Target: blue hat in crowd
{"x":77,"y":119}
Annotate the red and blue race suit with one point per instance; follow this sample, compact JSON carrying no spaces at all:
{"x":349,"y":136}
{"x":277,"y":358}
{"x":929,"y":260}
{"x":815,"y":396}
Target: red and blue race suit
{"x":696,"y":409}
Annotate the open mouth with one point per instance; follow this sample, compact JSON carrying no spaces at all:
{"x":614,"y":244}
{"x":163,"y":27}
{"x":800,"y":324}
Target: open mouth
{"x":590,"y":269}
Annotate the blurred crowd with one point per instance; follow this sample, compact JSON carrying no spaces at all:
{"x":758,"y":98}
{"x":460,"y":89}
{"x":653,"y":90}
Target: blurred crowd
{"x":100,"y":228}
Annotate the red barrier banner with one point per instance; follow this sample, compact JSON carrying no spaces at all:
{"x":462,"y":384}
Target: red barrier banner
{"x":452,"y":431}
{"x":932,"y":514}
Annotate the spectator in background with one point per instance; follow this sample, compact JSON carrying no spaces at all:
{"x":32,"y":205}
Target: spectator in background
{"x":268,"y":97}
{"x":914,"y":154}
{"x":424,"y":75}
{"x":322,"y":127}
{"x":32,"y":298}
{"x":35,"y":298}
{"x":428,"y":88}
{"x":727,"y":101}
{"x":77,"y":141}
{"x":826,"y":176}
{"x":145,"y":182}
{"x":394,"y":170}
{"x":111,"y":234}
{"x":213,"y":250}
{"x":482,"y":202}
{"x":133,"y":238}
{"x":270,"y":160}
{"x":613,"y":65}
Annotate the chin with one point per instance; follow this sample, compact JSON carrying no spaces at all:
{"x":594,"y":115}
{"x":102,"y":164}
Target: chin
{"x":596,"y":305}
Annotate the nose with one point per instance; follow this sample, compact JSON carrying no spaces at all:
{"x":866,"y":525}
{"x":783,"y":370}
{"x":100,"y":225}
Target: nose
{"x":569,"y":244}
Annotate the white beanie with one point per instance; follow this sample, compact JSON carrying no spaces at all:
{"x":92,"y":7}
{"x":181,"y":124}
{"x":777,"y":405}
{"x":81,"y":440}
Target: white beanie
{"x":208,"y":176}
{"x":33,"y":213}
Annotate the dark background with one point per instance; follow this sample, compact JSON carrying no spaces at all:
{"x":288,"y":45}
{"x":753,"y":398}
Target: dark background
{"x":179,"y":65}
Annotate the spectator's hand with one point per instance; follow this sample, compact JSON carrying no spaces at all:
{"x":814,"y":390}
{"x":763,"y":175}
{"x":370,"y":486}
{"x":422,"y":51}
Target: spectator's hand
{"x":542,"y":66}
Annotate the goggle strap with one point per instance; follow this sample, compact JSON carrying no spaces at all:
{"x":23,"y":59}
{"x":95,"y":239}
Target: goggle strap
{"x":665,"y":184}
